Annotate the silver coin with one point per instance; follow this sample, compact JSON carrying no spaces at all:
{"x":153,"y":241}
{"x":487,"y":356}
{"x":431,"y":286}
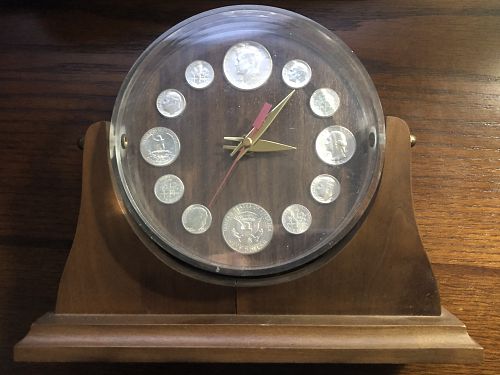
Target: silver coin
{"x":169,"y":189}
{"x":324,"y":102}
{"x":196,"y":219}
{"x":247,"y":228}
{"x":247,"y":65}
{"x":325,"y":188}
{"x":296,"y":73}
{"x":296,"y":219}
{"x":160,"y":146}
{"x":170,"y":103}
{"x":199,"y":74}
{"x":335,"y":145}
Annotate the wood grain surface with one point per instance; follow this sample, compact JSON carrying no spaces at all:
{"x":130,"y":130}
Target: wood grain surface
{"x":435,"y":64}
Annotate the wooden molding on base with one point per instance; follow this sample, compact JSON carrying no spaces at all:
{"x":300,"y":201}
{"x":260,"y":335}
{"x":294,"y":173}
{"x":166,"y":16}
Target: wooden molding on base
{"x":248,"y":339}
{"x":375,"y":301}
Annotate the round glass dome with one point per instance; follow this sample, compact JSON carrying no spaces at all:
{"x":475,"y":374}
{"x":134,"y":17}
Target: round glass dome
{"x":254,"y":143}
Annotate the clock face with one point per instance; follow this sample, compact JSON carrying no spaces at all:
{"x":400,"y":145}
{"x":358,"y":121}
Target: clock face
{"x":246,"y":142}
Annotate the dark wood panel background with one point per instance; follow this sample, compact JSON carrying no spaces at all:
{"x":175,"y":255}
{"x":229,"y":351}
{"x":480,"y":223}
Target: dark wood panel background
{"x":436,"y":64}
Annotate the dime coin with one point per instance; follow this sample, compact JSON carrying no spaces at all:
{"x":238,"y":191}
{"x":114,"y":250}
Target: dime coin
{"x":325,"y":188}
{"x":170,"y":103}
{"x":247,"y":228}
{"x":247,"y":65}
{"x":335,"y":145}
{"x":160,"y":146}
{"x":169,"y":189}
{"x":196,"y":219}
{"x":324,"y":102}
{"x":199,"y":74}
{"x":296,"y":73}
{"x":296,"y":219}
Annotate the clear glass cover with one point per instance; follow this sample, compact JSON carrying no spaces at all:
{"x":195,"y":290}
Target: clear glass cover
{"x":337,"y":132}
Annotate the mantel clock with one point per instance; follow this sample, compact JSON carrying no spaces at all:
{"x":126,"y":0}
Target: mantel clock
{"x":248,"y":202}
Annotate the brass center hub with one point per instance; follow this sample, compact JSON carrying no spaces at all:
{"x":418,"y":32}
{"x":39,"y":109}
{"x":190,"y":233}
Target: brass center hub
{"x":247,"y":142}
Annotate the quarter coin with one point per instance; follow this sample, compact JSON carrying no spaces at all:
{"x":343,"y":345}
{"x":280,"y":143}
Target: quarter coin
{"x":196,"y":219}
{"x":170,"y":103}
{"x":324,"y":102}
{"x":247,"y":228}
{"x":160,"y":146}
{"x":296,"y":73}
{"x":296,"y":219}
{"x":169,"y":189}
{"x":247,"y":65}
{"x":199,"y":74}
{"x":335,"y":145}
{"x":325,"y":188}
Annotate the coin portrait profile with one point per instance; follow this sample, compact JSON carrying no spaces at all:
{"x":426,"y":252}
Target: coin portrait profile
{"x":247,"y":65}
{"x":171,"y":103}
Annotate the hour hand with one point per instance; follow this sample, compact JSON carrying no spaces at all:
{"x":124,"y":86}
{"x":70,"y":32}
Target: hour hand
{"x":261,"y":146}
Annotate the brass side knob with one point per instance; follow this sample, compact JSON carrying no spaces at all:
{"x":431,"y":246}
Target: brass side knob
{"x":413,"y":140}
{"x":124,"y":141}
{"x":81,"y":142}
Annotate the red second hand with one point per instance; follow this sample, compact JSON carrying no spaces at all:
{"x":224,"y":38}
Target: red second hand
{"x":226,"y":176}
{"x":255,"y":126}
{"x":259,"y":120}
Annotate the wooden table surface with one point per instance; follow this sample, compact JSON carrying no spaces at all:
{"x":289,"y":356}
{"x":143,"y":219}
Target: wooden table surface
{"x":435,"y":64}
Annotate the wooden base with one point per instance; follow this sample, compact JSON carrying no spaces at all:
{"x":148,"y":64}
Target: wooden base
{"x":248,"y":339}
{"x":376,"y":301}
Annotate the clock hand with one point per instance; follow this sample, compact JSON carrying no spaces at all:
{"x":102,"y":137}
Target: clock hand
{"x":254,"y":135}
{"x":243,"y":149}
{"x":255,"y":126}
{"x":259,"y":127}
{"x":261,"y":146}
{"x":226,"y":176}
{"x":234,"y":139}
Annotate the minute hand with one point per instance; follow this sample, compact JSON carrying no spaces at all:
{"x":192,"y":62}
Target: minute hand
{"x":261,"y":146}
{"x":270,"y":118}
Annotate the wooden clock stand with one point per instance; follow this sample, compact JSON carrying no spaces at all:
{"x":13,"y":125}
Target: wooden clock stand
{"x":376,"y":301}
